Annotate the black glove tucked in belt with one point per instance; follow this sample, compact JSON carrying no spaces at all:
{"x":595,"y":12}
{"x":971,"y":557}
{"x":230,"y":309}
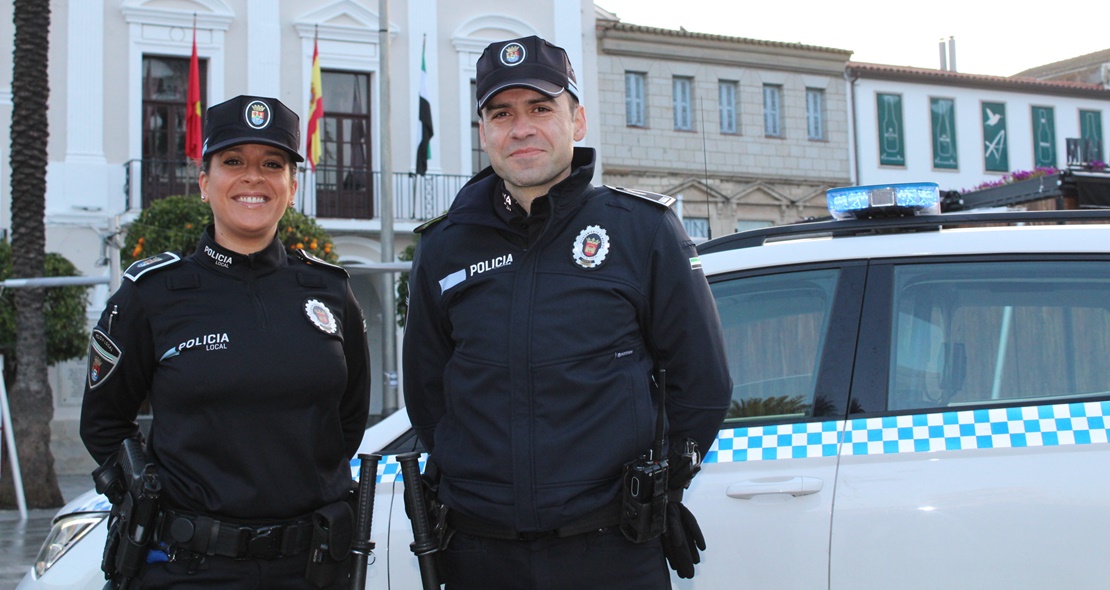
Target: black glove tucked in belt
{"x":683,"y":538}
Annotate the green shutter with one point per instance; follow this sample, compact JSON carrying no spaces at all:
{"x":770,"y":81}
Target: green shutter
{"x":1044,"y":137}
{"x":996,"y":157}
{"x":1090,"y":127}
{"x":892,"y":145}
{"x":943,"y":111}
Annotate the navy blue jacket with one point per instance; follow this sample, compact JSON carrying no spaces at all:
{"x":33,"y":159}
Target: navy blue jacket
{"x":256,"y":369}
{"x":528,"y":368}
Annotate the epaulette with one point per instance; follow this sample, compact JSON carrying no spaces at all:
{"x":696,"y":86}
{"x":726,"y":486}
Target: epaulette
{"x":158,"y":261}
{"x":429,"y":223}
{"x":313,"y":260}
{"x":664,"y":200}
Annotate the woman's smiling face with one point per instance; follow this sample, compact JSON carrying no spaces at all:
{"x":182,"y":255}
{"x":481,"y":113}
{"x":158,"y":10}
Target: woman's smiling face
{"x":248,"y":186}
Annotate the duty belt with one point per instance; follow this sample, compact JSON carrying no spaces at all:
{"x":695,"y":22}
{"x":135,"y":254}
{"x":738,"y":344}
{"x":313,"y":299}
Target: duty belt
{"x":204,"y":535}
{"x":604,"y":517}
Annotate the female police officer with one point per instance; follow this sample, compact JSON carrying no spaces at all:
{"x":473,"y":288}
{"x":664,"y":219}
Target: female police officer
{"x":255,"y":365}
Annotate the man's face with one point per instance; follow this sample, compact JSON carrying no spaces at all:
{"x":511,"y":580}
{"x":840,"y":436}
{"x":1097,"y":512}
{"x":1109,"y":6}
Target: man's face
{"x":530,"y":137}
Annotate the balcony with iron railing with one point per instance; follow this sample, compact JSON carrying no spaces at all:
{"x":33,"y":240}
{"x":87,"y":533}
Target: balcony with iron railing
{"x":329,"y":193}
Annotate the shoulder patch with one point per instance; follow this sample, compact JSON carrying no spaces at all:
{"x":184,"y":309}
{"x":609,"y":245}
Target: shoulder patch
{"x":104,"y":357}
{"x":141,"y":267}
{"x":315,"y":261}
{"x":656,"y":198}
{"x":429,"y":223}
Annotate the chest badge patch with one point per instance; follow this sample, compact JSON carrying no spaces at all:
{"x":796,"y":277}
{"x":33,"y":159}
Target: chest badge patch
{"x":320,"y":316}
{"x":104,"y":356}
{"x":591,"y":247}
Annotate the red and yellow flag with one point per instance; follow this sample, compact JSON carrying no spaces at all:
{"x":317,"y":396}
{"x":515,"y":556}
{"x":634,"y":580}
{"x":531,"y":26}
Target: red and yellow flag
{"x":315,"y":111}
{"x":193,"y":132}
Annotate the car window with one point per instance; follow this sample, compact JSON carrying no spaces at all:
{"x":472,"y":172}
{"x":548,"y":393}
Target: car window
{"x":994,"y":332}
{"x":774,"y":329}
{"x":406,"y":443}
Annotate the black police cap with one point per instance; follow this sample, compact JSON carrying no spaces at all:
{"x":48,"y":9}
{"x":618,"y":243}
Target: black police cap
{"x":252,"y":119}
{"x":528,"y":62}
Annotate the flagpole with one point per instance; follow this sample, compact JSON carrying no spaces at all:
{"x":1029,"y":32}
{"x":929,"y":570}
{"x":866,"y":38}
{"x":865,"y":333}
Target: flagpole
{"x":304,"y":187}
{"x":389,"y":327}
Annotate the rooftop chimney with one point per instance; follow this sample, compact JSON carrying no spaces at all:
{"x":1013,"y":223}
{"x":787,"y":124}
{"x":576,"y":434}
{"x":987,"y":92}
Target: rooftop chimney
{"x":943,"y":56}
{"x":952,"y":54}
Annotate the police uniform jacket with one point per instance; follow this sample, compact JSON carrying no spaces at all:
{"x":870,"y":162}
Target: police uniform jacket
{"x":528,"y":363}
{"x":256,"y":372}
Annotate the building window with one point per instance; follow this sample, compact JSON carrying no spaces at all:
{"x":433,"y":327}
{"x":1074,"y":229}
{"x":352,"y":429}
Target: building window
{"x":166,"y":171}
{"x":683,"y":99}
{"x":696,"y":227}
{"x":772,"y":110}
{"x":344,"y":186}
{"x":815,"y":113}
{"x":479,"y":159}
{"x":635,"y":101}
{"x":726,"y":97}
{"x":745,"y":225}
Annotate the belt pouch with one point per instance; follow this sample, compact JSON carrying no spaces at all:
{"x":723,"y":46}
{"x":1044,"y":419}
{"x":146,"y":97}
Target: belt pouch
{"x":329,"y":558}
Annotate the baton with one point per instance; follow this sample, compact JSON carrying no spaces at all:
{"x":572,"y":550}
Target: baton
{"x":424,"y":544}
{"x":362,"y":545}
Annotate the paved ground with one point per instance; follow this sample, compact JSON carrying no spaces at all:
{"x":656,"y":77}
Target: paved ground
{"x":20,"y":539}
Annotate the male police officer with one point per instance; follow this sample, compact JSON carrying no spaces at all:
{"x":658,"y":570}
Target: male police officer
{"x":541,"y":309}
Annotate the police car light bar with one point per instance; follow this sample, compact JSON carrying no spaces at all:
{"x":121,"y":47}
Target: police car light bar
{"x":884,"y":200}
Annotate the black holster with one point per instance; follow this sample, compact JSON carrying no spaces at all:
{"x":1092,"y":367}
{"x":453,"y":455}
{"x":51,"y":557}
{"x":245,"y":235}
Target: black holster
{"x":130,"y":481}
{"x":329,"y":559}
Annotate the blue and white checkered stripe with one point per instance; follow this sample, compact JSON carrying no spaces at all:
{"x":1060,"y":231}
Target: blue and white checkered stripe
{"x":389,"y":470}
{"x":1014,"y":427}
{"x":785,"y":441}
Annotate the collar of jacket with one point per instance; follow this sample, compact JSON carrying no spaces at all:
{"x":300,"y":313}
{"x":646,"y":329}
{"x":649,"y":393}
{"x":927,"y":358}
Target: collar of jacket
{"x":214,"y":257}
{"x":472,"y":206}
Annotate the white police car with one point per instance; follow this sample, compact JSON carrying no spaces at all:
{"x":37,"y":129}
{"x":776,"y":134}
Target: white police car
{"x":919,"y":402}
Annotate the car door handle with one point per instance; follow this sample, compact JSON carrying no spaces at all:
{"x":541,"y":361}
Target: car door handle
{"x":795,"y":486}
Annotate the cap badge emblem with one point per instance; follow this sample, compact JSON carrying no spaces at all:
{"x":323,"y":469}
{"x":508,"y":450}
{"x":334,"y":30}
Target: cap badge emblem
{"x":591,"y":247}
{"x":320,"y":316}
{"x":258,"y":114}
{"x":512,"y":54}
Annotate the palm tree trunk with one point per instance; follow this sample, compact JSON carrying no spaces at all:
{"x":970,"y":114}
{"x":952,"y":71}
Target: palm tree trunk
{"x":32,"y":403}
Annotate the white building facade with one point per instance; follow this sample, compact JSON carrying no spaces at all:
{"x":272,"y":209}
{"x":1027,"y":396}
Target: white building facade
{"x":965,"y":130}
